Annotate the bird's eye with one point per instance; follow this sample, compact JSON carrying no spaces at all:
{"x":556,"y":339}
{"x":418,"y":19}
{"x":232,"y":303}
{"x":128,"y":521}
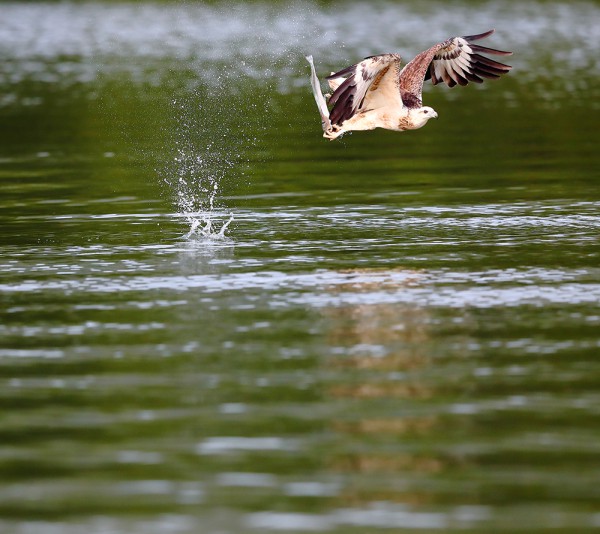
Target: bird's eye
{"x":425,"y":111}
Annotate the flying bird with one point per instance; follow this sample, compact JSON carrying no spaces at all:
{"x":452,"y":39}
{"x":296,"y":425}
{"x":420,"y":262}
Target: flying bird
{"x":378,"y":93}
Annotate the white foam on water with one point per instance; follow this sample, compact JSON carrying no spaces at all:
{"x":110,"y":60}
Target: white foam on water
{"x":203,"y":226}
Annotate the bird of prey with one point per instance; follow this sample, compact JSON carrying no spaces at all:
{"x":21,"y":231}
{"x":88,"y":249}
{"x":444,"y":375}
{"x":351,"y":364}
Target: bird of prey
{"x":379,"y":93}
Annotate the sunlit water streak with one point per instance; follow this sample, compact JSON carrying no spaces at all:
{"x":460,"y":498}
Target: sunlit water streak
{"x":536,"y":287}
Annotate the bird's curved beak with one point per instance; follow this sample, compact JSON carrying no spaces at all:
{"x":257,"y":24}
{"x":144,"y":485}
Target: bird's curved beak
{"x":435,"y":115}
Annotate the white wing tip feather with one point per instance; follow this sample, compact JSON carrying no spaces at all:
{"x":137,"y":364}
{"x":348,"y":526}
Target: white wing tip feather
{"x":319,"y":98}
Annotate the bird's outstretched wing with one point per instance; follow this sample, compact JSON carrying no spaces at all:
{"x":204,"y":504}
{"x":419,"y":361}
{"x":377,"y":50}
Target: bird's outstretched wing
{"x":354,"y":86}
{"x":454,"y":61}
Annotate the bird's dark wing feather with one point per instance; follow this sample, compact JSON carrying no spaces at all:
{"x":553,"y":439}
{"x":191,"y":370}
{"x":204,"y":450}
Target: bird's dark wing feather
{"x":349,"y":96}
{"x":454,"y":61}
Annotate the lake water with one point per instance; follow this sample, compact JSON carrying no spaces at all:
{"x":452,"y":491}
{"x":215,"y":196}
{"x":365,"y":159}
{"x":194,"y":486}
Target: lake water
{"x":212,"y":320}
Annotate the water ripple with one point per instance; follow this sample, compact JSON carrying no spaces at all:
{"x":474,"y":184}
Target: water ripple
{"x":510,"y":287}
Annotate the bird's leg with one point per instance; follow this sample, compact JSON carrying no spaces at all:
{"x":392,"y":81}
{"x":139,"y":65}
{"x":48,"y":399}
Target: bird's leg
{"x":333,"y":132}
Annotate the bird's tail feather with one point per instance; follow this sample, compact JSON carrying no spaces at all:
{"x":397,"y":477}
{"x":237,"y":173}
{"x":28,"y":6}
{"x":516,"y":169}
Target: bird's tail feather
{"x":319,"y":98}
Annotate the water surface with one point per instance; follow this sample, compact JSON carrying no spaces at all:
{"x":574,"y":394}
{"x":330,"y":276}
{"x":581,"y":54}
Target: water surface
{"x":213,"y":320}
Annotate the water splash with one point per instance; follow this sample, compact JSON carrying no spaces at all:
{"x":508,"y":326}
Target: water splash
{"x":207,"y":147}
{"x":209,"y":230}
{"x":197,"y":189}
{"x":216,"y":125}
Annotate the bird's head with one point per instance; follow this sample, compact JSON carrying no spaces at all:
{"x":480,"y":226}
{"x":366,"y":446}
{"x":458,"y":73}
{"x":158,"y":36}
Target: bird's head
{"x":420,"y":116}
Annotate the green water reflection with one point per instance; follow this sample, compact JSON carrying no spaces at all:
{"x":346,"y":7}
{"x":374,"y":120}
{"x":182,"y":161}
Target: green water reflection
{"x":399,"y":332}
